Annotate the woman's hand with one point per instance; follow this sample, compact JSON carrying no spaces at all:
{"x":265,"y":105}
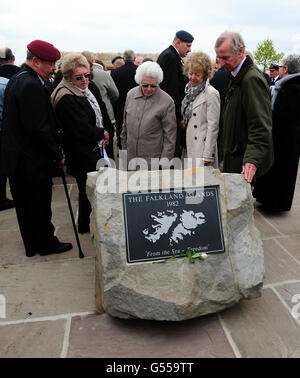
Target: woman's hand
{"x":106,"y":139}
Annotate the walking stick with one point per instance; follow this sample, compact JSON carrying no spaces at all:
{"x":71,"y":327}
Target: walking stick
{"x":81,"y":255}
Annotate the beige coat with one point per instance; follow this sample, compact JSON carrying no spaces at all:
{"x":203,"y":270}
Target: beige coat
{"x":203,"y":127}
{"x":149,"y":128}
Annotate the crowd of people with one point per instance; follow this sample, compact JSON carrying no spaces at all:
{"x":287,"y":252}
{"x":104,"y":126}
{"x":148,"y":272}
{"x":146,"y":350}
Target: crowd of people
{"x":227,"y":114}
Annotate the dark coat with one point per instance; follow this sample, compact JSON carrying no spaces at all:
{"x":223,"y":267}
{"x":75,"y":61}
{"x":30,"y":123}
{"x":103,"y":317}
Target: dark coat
{"x":174,"y":79}
{"x":29,"y":144}
{"x":275,"y":190}
{"x":8,"y":70}
{"x":247,"y":122}
{"x":77,"y":119}
{"x":124,"y":80}
{"x":220,"y":81}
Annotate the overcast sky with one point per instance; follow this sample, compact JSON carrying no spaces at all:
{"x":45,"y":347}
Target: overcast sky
{"x":146,"y":26}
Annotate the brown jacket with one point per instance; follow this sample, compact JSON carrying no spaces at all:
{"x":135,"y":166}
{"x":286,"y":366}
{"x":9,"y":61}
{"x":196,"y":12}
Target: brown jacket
{"x":149,"y":128}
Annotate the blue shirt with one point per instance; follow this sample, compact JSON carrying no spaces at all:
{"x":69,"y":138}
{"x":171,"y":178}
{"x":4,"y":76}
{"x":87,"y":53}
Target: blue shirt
{"x":3,"y":83}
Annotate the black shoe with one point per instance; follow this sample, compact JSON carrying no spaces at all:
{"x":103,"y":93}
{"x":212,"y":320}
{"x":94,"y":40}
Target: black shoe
{"x":30,"y":253}
{"x":6,"y":204}
{"x":60,"y":248}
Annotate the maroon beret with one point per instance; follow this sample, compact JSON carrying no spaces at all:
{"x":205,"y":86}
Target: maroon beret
{"x":44,"y":50}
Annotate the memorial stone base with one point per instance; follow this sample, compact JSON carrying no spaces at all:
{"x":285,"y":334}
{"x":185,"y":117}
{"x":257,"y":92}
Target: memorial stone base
{"x":148,"y":281}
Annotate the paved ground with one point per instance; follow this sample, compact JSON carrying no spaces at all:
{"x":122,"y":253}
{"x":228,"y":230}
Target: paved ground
{"x":50,"y":309}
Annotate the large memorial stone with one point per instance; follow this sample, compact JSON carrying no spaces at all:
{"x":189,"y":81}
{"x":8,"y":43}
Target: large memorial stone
{"x":139,"y":239}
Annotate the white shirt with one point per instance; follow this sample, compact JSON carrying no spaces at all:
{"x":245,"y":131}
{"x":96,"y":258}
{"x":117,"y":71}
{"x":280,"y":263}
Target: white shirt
{"x":237,"y":69}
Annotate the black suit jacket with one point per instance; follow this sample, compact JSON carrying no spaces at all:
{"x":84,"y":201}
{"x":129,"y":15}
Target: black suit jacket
{"x":220,"y":81}
{"x":124,"y":80}
{"x":29,"y":135}
{"x":174,"y":79}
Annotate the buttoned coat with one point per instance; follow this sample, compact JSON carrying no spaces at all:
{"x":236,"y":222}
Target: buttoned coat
{"x":203,"y":126}
{"x":149,"y":128}
{"x":174,"y":80}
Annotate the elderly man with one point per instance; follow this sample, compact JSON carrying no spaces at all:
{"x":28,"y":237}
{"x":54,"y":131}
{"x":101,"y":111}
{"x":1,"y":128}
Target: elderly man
{"x":7,"y":63}
{"x":175,"y":81}
{"x":246,"y":140}
{"x":30,"y":148}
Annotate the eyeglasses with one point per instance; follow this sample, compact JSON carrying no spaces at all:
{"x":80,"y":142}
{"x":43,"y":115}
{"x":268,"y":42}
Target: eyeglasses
{"x":149,"y":85}
{"x":80,"y":77}
{"x":282,"y":66}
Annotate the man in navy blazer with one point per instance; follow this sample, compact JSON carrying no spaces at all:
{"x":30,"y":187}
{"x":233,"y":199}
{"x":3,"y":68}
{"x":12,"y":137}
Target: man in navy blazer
{"x":175,"y":81}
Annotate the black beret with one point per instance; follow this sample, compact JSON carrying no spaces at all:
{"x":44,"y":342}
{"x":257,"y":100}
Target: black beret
{"x":184,"y":36}
{"x":44,"y":50}
{"x":115,"y":58}
{"x":274,"y":67}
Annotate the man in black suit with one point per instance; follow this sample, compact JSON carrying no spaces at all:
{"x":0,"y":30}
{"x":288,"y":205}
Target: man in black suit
{"x":175,"y":81}
{"x":124,"y":80}
{"x":7,"y":60}
{"x":274,"y":73}
{"x":29,"y":149}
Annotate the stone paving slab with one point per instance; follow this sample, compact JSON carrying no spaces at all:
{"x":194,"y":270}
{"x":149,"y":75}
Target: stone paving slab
{"x":263,"y":328}
{"x":265,"y":228}
{"x":292,"y":245}
{"x":290,"y":293}
{"x":32,"y":340}
{"x":47,"y":289}
{"x":286,"y":223}
{"x":280,"y":266}
{"x":103,"y":336}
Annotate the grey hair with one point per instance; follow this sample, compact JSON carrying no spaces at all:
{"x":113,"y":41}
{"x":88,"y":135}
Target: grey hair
{"x":149,"y":69}
{"x":249,"y":53}
{"x":292,"y":62}
{"x":129,"y":55}
{"x":89,"y":56}
{"x":235,"y":39}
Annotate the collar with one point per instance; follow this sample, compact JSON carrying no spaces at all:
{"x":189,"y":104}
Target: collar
{"x":238,"y":68}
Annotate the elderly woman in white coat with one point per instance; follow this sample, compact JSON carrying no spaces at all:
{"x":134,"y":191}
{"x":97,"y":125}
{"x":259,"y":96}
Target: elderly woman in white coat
{"x":201,"y":112}
{"x":149,"y":128}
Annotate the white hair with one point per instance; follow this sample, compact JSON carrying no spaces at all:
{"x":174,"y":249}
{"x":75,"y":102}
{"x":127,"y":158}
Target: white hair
{"x":149,"y":69}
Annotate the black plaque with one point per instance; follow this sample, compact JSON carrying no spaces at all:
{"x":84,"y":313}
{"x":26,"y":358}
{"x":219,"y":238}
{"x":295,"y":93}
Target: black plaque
{"x":165,"y":224}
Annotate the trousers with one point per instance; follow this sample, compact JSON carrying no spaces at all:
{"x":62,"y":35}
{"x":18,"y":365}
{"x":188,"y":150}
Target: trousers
{"x":33,"y":208}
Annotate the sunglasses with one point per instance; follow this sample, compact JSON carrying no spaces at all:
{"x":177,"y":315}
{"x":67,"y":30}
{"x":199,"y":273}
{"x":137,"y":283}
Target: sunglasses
{"x":149,"y":85}
{"x":80,"y":77}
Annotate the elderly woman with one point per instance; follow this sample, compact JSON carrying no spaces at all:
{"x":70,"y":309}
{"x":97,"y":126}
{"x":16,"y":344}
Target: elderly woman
{"x":78,"y":114}
{"x":149,"y":128}
{"x":201,"y":111}
{"x":275,"y":190}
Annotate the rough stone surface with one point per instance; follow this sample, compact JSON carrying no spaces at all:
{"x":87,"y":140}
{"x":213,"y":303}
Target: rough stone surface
{"x":177,"y":290}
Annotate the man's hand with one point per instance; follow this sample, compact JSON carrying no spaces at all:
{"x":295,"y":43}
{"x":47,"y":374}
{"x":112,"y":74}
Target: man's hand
{"x":249,"y":171}
{"x":182,"y":124}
